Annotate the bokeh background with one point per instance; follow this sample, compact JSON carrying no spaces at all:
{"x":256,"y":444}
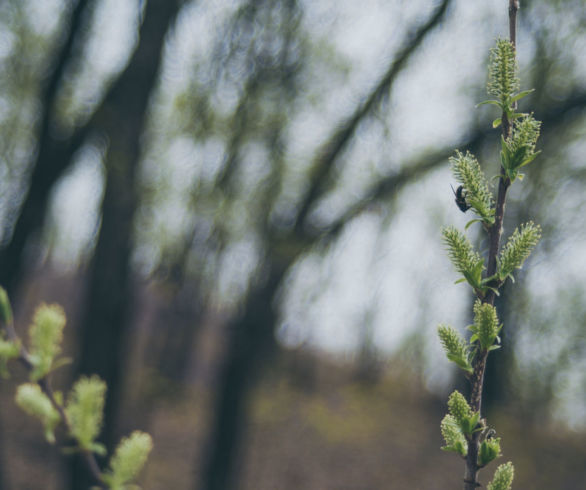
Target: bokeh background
{"x":239,"y":205}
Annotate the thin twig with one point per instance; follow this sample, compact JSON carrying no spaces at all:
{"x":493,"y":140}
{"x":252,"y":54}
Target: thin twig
{"x":513,"y":8}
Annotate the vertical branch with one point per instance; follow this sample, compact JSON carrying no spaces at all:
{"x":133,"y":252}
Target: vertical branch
{"x":513,"y":8}
{"x":504,"y":182}
{"x":494,"y":233}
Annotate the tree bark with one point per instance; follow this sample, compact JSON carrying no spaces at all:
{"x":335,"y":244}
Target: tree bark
{"x":47,"y":167}
{"x":107,"y":306}
{"x":53,"y":158}
{"x":251,"y":343}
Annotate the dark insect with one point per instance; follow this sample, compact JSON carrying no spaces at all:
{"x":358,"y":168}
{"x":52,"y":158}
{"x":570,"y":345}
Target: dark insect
{"x":461,"y":199}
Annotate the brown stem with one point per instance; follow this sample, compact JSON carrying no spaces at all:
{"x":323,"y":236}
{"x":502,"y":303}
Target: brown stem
{"x":88,"y":456}
{"x":476,"y":380}
{"x":495,"y":231}
{"x":92,"y":465}
{"x":494,"y":234}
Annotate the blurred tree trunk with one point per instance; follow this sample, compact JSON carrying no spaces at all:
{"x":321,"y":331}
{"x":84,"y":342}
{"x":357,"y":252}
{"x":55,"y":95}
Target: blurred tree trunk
{"x":251,"y":344}
{"x":251,"y":335}
{"x":4,"y":478}
{"x":107,"y":307}
{"x":54,"y":156}
{"x":172,"y":344}
{"x":368,"y":369}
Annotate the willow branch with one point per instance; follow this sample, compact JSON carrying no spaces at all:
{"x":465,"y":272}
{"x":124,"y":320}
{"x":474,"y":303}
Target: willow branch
{"x":494,"y":233}
{"x":45,"y":385}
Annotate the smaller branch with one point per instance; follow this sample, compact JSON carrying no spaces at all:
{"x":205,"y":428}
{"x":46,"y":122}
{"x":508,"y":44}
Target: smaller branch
{"x":48,"y":390}
{"x":61,"y":60}
{"x":477,"y":381}
{"x":45,"y":385}
{"x":341,"y":138}
{"x":92,"y":465}
{"x":513,"y":8}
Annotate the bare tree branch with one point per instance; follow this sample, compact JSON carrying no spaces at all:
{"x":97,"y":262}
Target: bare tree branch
{"x":48,"y":165}
{"x":553,"y":118}
{"x":341,"y":137}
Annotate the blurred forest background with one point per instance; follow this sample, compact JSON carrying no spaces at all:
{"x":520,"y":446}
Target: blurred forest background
{"x":239,"y":205}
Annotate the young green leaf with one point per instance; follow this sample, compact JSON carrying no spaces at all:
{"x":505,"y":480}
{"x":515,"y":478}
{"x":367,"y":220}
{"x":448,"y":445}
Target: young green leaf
{"x":522,"y":94}
{"x":489,"y":102}
{"x":519,"y":150}
{"x":462,"y":413}
{"x":490,"y":449}
{"x":8,"y":350}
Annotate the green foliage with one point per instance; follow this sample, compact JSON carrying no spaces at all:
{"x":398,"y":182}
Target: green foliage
{"x":5,"y":308}
{"x":503,"y":477}
{"x":85,"y":406}
{"x":467,"y":262}
{"x":456,"y":348}
{"x":518,"y":248}
{"x":8,"y":350}
{"x":490,"y":449}
{"x":486,"y":326}
{"x":33,"y":401}
{"x":466,"y":419}
{"x":466,"y":170}
{"x":453,"y":435}
{"x":128,"y":460}
{"x":83,"y":413}
{"x":46,"y":334}
{"x":519,"y":149}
